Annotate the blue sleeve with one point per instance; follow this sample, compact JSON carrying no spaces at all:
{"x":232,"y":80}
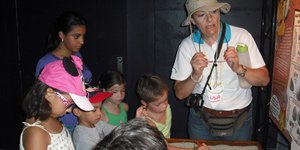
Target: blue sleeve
{"x":42,"y":62}
{"x":38,"y":68}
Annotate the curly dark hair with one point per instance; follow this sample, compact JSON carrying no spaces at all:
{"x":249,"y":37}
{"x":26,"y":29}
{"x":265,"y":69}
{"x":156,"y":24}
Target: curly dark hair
{"x":136,"y":134}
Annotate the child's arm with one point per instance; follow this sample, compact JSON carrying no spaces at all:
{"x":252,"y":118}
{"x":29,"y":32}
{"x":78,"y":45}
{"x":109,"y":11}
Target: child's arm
{"x":126,"y":107}
{"x":35,"y":138}
{"x":203,"y":147}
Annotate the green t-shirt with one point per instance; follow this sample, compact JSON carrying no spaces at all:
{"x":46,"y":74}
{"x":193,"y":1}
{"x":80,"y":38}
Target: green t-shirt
{"x":116,"y":119}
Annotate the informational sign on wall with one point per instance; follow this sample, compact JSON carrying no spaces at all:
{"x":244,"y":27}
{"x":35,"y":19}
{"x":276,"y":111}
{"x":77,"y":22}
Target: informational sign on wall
{"x":285,"y":95}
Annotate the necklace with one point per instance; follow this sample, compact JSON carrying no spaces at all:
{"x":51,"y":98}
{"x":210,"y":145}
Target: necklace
{"x":215,"y":62}
{"x":217,"y":80}
{"x":218,"y":74}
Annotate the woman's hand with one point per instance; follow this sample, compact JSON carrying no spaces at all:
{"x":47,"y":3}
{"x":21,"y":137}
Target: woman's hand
{"x":198,"y":62}
{"x":232,"y":59}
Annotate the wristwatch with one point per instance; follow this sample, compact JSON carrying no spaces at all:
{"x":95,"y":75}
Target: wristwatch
{"x":242,"y":74}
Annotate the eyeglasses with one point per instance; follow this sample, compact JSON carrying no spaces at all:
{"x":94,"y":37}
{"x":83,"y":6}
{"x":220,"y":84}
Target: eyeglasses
{"x":65,"y":101}
{"x":205,"y":14}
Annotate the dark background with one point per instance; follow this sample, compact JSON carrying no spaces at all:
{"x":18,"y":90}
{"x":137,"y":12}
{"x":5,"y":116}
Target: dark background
{"x":133,"y":36}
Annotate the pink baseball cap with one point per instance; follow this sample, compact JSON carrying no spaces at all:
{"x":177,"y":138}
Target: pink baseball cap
{"x":100,"y":96}
{"x":57,"y":75}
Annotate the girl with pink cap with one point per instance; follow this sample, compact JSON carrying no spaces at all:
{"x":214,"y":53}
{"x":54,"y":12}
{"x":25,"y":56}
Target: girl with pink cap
{"x":58,"y":86}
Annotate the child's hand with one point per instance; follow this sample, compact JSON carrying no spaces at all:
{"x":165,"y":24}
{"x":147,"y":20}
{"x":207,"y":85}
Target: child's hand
{"x":92,"y":89}
{"x":141,"y":112}
{"x":203,"y":147}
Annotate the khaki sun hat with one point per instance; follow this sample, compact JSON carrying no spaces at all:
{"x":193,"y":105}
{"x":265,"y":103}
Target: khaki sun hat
{"x":204,"y":5}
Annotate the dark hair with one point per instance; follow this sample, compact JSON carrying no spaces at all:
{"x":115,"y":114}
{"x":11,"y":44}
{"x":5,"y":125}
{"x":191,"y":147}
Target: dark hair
{"x":65,"y":23}
{"x":34,"y":104}
{"x":149,"y":87}
{"x":110,"y":78}
{"x":136,"y":134}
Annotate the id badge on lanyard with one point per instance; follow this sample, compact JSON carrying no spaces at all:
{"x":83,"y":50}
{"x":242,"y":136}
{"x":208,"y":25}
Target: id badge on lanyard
{"x":215,"y":95}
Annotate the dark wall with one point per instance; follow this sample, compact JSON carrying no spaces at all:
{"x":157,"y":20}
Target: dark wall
{"x":10,"y":74}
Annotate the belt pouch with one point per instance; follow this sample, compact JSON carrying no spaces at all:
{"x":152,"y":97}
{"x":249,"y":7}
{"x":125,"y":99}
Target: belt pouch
{"x":219,"y":125}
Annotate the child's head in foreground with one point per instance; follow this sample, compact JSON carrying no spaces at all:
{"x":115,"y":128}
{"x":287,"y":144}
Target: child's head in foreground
{"x":135,"y":134}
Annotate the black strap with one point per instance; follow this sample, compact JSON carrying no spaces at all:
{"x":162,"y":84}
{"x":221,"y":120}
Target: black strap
{"x":217,"y":54}
{"x":220,"y":44}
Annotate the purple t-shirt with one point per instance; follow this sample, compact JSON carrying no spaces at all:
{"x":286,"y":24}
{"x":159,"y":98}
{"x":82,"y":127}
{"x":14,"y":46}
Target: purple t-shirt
{"x":49,"y":57}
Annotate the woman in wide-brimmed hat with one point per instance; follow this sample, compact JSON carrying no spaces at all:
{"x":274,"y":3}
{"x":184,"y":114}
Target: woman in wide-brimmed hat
{"x":213,"y":78}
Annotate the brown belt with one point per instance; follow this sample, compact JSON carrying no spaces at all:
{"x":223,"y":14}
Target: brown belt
{"x":225,"y":113}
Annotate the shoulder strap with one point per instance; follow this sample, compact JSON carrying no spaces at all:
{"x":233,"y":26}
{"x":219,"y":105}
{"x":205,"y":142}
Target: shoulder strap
{"x":217,"y":54}
{"x":35,"y":124}
{"x":220,"y":44}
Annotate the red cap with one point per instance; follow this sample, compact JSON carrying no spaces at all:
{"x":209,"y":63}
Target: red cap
{"x":100,"y":96}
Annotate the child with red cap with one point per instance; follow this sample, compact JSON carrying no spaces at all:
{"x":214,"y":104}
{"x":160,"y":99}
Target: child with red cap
{"x":90,"y":129}
{"x":58,"y":86}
